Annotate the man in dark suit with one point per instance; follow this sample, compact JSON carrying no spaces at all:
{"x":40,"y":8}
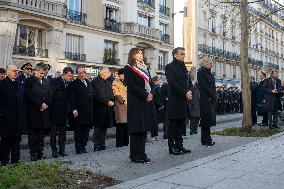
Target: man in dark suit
{"x":253,"y":89}
{"x":12,"y":116}
{"x":59,"y":111}
{"x":103,"y":104}
{"x":81,"y":97}
{"x":38,"y":99}
{"x":260,"y":93}
{"x":180,"y":94}
{"x":272,"y":88}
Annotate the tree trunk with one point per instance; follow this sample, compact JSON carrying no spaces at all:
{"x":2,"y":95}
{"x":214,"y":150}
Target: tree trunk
{"x":246,"y":93}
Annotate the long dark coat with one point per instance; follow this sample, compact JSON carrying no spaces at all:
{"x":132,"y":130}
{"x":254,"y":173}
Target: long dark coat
{"x":81,"y":99}
{"x":140,"y":113}
{"x":179,"y":83}
{"x":37,"y":94}
{"x":102,"y":94}
{"x":270,"y":98}
{"x":194,"y":106}
{"x":207,"y":89}
{"x":59,"y":107}
{"x":12,"y":108}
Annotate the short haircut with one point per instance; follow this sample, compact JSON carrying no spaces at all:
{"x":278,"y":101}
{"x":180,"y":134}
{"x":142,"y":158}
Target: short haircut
{"x":41,"y":66}
{"x":103,"y":68}
{"x":79,"y":67}
{"x":68,"y":69}
{"x":2,"y":71}
{"x":175,"y":51}
{"x":272,"y":72}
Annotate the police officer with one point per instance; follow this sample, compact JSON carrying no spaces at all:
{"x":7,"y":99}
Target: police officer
{"x":27,"y":72}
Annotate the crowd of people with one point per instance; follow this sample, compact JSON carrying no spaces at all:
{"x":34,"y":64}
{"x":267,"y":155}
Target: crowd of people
{"x":129,"y":99}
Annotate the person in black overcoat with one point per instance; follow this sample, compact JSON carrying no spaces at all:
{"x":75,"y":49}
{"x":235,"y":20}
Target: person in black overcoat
{"x":140,"y":106}
{"x":180,"y":87}
{"x":12,"y":116}
{"x":260,"y":93}
{"x":102,"y":105}
{"x":208,"y":97}
{"x":253,"y":89}
{"x":59,"y":110}
{"x":38,"y":99}
{"x":81,"y":104}
{"x":272,"y":87}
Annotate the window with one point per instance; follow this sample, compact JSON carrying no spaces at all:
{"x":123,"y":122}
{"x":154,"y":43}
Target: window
{"x":28,"y":36}
{"x":163,"y":56}
{"x":144,"y":20}
{"x":75,"y":5}
{"x":110,"y":13}
{"x":163,"y":3}
{"x":110,"y":50}
{"x":163,"y":28}
{"x":74,"y":44}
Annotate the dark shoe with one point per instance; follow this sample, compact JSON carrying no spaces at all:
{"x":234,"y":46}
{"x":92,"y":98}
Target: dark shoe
{"x":78,"y":152}
{"x":165,"y":137}
{"x":185,"y":151}
{"x":193,"y":132}
{"x":138,"y":160}
{"x":40,"y":156}
{"x":33,"y":157}
{"x":147,"y":160}
{"x":275,"y":126}
{"x":97,"y":148}
{"x":62,"y":154}
{"x":175,"y":151}
{"x":84,"y":151}
{"x":262,"y":124}
{"x":103,"y":147}
{"x":209,"y":143}
{"x":55,"y":154}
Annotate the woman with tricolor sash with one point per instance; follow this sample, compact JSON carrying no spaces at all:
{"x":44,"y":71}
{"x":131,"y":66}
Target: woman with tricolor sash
{"x":140,"y":107}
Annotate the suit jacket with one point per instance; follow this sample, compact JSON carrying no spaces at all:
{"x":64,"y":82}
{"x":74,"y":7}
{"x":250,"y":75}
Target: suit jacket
{"x":179,"y":83}
{"x":59,"y":107}
{"x":102,"y":94}
{"x":81,"y":99}
{"x":272,"y":99}
{"x":38,"y":93}
{"x":12,"y":108}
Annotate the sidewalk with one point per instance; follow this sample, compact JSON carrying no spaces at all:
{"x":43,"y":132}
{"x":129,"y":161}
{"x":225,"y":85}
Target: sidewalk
{"x":258,"y":165}
{"x":111,"y":131}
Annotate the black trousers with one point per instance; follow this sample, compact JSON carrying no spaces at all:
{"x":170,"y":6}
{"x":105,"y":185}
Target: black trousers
{"x":253,"y":114}
{"x":137,"y":146}
{"x":166,"y":124}
{"x":176,"y":130}
{"x":100,"y":137}
{"x":36,"y":141}
{"x":10,"y":145}
{"x":265,"y":118}
{"x":205,"y":135}
{"x":61,"y":131}
{"x":81,"y":137}
{"x":194,"y":122}
{"x":273,"y":115}
{"x":122,"y":135}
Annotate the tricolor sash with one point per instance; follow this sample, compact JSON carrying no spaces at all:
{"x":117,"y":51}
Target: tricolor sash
{"x":141,"y":72}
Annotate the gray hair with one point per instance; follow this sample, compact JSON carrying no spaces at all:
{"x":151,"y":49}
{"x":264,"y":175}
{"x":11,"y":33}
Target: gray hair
{"x":103,"y":69}
{"x":205,"y":60}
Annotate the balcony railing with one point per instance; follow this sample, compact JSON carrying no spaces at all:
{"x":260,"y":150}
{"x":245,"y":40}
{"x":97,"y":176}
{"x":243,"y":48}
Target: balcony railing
{"x":112,"y":25}
{"x":76,"y":17}
{"x":75,"y":56}
{"x":49,"y":7}
{"x":147,"y":2}
{"x":140,"y":30}
{"x":164,"y":10}
{"x":30,"y":51}
{"x":166,"y":38}
{"x":111,"y":61}
{"x":270,"y":65}
{"x":161,"y":66}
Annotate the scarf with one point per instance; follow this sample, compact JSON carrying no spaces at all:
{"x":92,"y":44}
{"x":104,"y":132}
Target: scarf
{"x":142,"y":70}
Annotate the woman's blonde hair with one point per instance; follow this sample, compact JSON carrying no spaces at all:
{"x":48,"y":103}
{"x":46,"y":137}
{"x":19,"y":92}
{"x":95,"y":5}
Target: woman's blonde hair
{"x":205,"y":60}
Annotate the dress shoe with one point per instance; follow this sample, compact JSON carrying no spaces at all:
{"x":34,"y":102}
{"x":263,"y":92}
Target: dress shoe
{"x":138,"y":160}
{"x":33,"y":157}
{"x":147,"y":160}
{"x":62,"y":154}
{"x":209,"y":143}
{"x":193,"y":132}
{"x":84,"y":151}
{"x":55,"y":154}
{"x":175,"y":151}
{"x":97,"y":148}
{"x":275,"y":126}
{"x":185,"y":151}
{"x":103,"y":147}
{"x":40,"y":156}
{"x":78,"y":152}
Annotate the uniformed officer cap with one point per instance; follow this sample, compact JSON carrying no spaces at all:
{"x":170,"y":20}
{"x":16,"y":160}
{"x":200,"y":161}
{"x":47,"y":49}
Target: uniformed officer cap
{"x":27,"y":66}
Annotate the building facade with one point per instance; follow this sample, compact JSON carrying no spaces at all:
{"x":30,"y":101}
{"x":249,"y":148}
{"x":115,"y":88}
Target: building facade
{"x":93,"y":33}
{"x":218,"y":35}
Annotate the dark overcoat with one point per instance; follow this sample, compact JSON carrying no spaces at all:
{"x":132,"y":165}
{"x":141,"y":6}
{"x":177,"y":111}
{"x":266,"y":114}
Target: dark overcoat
{"x":102,"y":94}
{"x":59,"y":107}
{"x":38,"y":93}
{"x":81,"y":99}
{"x":12,"y":108}
{"x":194,"y":106}
{"x":179,"y":83}
{"x":207,"y":89}
{"x":140,"y":113}
{"x":270,"y":98}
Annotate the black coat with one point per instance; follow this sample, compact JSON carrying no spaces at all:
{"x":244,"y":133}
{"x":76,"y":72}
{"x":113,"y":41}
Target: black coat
{"x":102,"y":94}
{"x":12,"y":108}
{"x":179,"y":83}
{"x":141,"y":115}
{"x":207,"y":89}
{"x":253,"y":89}
{"x":59,"y":107}
{"x":81,"y":99}
{"x":37,"y":94}
{"x":260,"y":92}
{"x":270,"y":98}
